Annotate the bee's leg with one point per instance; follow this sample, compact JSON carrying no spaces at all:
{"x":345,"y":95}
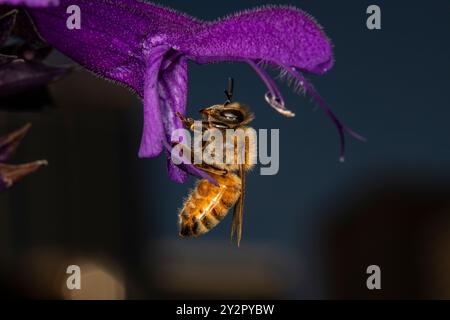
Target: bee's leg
{"x":202,"y":166}
{"x":188,"y":123}
{"x":212,"y":169}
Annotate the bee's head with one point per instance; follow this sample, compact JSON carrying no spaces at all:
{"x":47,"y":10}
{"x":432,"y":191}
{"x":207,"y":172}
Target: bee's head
{"x":228,"y":115}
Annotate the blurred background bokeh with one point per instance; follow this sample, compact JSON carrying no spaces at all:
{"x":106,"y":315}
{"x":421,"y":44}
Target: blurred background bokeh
{"x":309,"y":232}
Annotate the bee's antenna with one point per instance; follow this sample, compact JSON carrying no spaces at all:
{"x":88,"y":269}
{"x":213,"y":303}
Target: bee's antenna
{"x":229,"y":91}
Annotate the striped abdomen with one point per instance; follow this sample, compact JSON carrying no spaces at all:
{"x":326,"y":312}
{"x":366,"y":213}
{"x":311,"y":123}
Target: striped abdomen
{"x":208,"y":204}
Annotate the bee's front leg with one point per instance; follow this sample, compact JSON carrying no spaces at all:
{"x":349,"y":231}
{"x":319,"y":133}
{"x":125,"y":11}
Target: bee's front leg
{"x":188,"y":123}
{"x":212,"y":169}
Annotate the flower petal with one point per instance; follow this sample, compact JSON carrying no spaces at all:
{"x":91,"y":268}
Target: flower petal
{"x":275,"y":34}
{"x":173,"y":96}
{"x":153,"y":131}
{"x":10,"y":142}
{"x":10,"y":174}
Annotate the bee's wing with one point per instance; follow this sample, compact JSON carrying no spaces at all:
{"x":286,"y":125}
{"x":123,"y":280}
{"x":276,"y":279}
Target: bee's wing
{"x":236,"y":226}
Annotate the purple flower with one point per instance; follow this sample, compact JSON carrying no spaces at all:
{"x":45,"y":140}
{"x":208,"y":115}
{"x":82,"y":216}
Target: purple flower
{"x":10,"y":174}
{"x":147,"y":48}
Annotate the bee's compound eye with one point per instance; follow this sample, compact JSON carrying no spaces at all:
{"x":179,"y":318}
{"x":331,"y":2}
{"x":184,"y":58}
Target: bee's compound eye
{"x":229,"y":115}
{"x":232,"y":115}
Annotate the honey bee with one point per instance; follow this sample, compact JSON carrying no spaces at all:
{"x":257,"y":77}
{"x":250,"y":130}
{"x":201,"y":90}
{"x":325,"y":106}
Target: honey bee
{"x":208,"y":204}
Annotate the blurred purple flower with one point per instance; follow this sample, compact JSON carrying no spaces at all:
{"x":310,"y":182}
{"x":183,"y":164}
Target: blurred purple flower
{"x":17,"y":75}
{"x":147,"y":48}
{"x":31,"y":3}
{"x":21,"y":68}
{"x":10,"y":174}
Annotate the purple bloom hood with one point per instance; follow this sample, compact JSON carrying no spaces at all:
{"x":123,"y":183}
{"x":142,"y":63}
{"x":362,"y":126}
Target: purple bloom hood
{"x":10,"y":174}
{"x":147,"y":48}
